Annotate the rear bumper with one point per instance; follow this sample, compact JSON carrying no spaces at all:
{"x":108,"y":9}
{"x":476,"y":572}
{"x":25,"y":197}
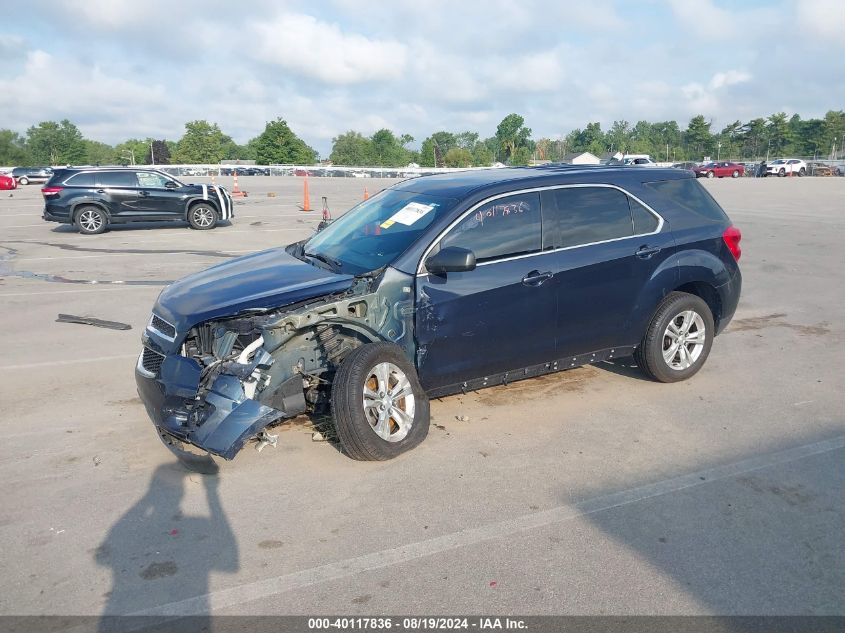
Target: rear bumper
{"x":51,"y":214}
{"x":729,"y":299}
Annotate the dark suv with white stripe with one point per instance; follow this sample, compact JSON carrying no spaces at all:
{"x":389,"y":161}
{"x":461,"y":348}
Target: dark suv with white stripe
{"x":92,"y":199}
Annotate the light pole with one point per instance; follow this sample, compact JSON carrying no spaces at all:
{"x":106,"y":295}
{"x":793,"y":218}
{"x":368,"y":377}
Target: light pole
{"x":152,"y":154}
{"x":719,"y":150}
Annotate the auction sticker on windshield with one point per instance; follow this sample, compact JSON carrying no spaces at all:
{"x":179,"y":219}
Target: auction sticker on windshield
{"x":408,"y":214}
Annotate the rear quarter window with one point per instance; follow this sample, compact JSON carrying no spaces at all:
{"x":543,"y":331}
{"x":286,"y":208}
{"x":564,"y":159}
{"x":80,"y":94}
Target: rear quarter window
{"x":81,"y":180}
{"x":688,"y":194}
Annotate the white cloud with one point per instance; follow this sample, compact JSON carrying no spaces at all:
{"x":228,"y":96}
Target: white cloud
{"x":822,"y":18}
{"x":729,"y":78}
{"x":304,"y":45}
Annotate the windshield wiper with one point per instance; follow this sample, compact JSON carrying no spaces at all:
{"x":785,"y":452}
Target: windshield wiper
{"x":333,"y":263}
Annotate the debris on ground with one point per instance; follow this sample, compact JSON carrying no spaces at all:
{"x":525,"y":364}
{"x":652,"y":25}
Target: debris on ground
{"x":111,"y":325}
{"x":462,"y":418}
{"x":97,"y":461}
{"x":316,"y":436}
{"x":265,"y":439}
{"x":271,"y":194}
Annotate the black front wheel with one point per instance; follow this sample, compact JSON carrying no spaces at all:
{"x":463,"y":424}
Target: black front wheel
{"x":379,"y":407}
{"x":202,"y":217}
{"x":678,"y":339}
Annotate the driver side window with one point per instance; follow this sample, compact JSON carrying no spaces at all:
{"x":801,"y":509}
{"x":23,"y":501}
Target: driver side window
{"x":505,"y":227}
{"x":147,"y":179}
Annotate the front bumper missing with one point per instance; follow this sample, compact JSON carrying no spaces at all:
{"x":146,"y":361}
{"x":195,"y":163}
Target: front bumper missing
{"x":220,"y":423}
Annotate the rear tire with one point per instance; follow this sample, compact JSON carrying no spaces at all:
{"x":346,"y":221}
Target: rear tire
{"x":678,"y":339}
{"x":710,"y":174}
{"x":91,"y":220}
{"x":802,"y":172}
{"x":202,"y":217}
{"x":735,"y":174}
{"x":380,"y":409}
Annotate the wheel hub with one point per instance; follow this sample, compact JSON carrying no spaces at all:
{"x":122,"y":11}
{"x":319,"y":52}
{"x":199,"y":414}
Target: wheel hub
{"x":388,"y":402}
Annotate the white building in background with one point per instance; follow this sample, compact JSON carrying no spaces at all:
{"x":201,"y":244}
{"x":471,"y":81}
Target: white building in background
{"x":580,"y":158}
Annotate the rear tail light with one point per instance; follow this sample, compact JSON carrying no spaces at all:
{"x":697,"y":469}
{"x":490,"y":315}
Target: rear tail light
{"x":732,"y":237}
{"x":51,"y":191}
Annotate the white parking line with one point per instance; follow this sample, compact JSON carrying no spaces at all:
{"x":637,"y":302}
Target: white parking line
{"x":60,"y":363}
{"x":249,"y":592}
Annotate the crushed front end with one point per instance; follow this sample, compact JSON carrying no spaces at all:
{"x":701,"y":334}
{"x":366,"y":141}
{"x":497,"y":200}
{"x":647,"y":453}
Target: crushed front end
{"x":225,"y":380}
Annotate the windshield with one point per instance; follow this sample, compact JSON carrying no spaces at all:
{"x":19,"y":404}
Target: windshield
{"x":377,"y":231}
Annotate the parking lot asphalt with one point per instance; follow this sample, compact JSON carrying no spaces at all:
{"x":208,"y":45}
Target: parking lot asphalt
{"x":593,"y":491}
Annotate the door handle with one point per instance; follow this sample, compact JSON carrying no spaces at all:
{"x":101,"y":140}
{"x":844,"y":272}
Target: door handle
{"x":144,"y":193}
{"x":645,"y":251}
{"x":100,"y":191}
{"x":535,"y":278}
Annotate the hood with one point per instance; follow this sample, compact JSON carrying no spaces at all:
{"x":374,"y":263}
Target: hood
{"x":268,"y":279}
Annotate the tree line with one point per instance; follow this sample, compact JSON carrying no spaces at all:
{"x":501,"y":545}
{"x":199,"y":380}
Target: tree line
{"x":59,"y":143}
{"x":52,"y":143}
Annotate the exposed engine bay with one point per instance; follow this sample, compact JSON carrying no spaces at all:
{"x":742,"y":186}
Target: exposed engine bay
{"x":237,"y":375}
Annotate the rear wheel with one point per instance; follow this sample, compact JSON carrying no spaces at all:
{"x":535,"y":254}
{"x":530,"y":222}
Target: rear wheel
{"x":202,"y":217}
{"x":802,"y":172}
{"x":678,"y":339}
{"x":380,"y":409}
{"x":91,"y":220}
{"x":710,"y":174}
{"x":735,"y":174}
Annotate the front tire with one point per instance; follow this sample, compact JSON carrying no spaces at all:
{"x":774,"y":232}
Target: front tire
{"x":802,"y":172}
{"x":202,"y":217}
{"x":710,"y":174}
{"x":678,"y":339}
{"x":380,"y":409}
{"x":735,"y":174}
{"x":91,"y":220}
{"x":24,"y":180}
{"x":782,"y":172}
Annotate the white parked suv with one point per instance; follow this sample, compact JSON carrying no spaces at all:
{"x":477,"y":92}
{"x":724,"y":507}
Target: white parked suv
{"x":639,"y":161}
{"x":786,"y":166}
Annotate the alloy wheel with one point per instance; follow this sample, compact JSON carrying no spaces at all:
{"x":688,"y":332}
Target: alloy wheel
{"x":203,"y":217}
{"x":683,"y":340}
{"x":90,"y":220}
{"x":389,"y":402}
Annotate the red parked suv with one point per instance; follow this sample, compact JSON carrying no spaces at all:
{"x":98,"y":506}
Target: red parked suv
{"x":719,"y":169}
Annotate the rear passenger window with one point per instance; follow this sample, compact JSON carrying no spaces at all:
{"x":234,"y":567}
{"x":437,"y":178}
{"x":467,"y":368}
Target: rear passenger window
{"x":502,"y":228}
{"x":583,"y":215}
{"x":644,"y":220}
{"x":81,"y":180}
{"x":117,"y":179}
{"x":690,"y":195}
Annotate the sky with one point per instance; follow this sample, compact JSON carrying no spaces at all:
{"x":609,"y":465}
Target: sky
{"x":122,"y":69}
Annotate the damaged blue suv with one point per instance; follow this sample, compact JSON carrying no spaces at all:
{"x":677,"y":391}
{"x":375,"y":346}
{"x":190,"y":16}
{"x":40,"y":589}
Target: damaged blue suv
{"x":440,"y":285}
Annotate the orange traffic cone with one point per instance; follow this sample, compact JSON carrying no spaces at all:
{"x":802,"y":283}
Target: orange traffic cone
{"x":306,"y":200}
{"x":236,"y":191}
{"x":366,"y":194}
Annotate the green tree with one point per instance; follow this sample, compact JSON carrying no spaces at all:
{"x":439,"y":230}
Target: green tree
{"x":389,"y":150}
{"x":203,"y":142}
{"x":12,"y":149}
{"x":753,"y":138}
{"x":698,"y":138}
{"x":619,"y":136}
{"x":482,"y":156}
{"x":132,"y":151}
{"x":458,"y":157}
{"x":351,"y":148}
{"x":51,"y":143}
{"x":522,"y":156}
{"x":97,"y":153}
{"x":512,"y":135}
{"x":277,"y":144}
{"x":158,"y":154}
{"x":777,"y":126}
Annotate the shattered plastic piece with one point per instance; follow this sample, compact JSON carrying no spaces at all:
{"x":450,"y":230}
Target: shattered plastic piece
{"x":111,"y":325}
{"x":265,"y":439}
{"x":462,"y":418}
{"x":316,"y":436}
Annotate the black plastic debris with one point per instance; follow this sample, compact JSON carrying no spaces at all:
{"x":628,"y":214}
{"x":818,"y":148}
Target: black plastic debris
{"x":112,"y":325}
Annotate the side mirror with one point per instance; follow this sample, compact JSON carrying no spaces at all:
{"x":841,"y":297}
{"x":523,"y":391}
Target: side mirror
{"x":451,"y":259}
{"x":171,"y":185}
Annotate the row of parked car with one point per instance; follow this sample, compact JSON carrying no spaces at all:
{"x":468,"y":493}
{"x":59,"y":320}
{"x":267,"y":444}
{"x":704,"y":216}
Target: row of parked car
{"x":780,"y":167}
